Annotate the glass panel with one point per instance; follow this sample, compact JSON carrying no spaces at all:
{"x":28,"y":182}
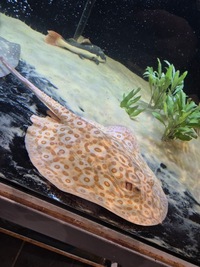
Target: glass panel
{"x":131,"y":64}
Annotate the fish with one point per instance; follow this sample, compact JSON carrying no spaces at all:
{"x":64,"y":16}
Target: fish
{"x":101,"y":164}
{"x":84,"y":49}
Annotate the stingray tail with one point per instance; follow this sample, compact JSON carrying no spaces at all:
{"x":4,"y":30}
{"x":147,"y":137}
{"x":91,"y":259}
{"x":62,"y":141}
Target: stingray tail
{"x":53,"y":105}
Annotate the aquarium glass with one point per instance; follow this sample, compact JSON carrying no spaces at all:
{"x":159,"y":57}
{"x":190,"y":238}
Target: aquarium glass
{"x":122,"y":147}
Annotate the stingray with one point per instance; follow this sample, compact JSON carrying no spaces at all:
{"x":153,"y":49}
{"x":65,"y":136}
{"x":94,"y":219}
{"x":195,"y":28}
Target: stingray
{"x":97,"y":163}
{"x":11,"y":52}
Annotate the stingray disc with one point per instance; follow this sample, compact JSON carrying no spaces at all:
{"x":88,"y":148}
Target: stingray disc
{"x":11,"y":52}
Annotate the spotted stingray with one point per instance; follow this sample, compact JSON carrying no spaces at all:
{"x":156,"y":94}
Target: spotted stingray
{"x":97,"y":163}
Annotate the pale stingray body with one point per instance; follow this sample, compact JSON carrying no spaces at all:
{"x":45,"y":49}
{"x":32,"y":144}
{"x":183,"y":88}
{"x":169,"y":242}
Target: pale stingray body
{"x":100,"y":164}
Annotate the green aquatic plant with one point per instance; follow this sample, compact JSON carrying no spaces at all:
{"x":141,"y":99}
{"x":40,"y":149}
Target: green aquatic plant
{"x":129,"y":101}
{"x":169,"y":104}
{"x":180,"y":116}
{"x":161,"y":84}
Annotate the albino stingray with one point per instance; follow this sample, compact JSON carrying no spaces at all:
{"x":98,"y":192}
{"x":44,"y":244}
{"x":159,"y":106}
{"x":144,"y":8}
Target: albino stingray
{"x":97,"y":163}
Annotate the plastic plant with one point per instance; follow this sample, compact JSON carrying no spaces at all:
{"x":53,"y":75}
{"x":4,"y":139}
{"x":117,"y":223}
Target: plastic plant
{"x":180,"y":116}
{"x":128,"y":103}
{"x":161,"y":84}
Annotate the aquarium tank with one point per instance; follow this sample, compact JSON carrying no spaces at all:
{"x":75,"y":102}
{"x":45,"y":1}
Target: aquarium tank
{"x":100,"y":113}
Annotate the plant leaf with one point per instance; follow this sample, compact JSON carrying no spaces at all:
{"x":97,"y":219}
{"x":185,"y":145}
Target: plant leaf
{"x":159,"y":117}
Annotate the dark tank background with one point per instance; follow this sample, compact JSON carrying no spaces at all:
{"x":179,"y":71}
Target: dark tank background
{"x":134,"y":33}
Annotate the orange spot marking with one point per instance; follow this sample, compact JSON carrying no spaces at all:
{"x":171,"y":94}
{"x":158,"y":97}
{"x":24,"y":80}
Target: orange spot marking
{"x":86,"y":179}
{"x":57,"y":166}
{"x":96,"y":178}
{"x":61,"y":151}
{"x":71,"y":158}
{"x":97,"y":149}
{"x":56,"y":159}
{"x":77,"y":169}
{"x":68,"y":146}
{"x":113,"y":170}
{"x":66,"y":167}
{"x":107,"y":184}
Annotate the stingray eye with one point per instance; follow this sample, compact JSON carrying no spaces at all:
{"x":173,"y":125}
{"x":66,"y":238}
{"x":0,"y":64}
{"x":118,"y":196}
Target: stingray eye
{"x":137,"y":189}
{"x":132,"y":188}
{"x":128,"y":186}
